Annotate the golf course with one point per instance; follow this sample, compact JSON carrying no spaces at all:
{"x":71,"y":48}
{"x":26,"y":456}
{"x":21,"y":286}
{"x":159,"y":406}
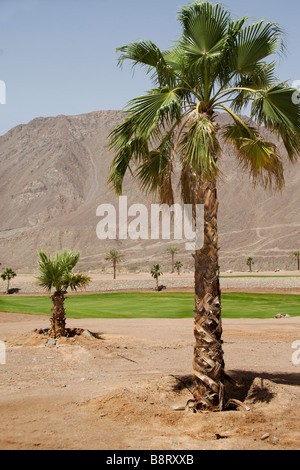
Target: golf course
{"x":154,"y":305}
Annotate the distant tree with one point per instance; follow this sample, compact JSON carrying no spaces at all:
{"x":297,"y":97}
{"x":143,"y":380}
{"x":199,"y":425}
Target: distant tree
{"x":7,"y":275}
{"x":178,"y":265}
{"x":250,"y":262}
{"x":116,"y":257}
{"x":156,"y":273}
{"x":172,"y":250}
{"x":297,"y":256}
{"x":56,"y":272}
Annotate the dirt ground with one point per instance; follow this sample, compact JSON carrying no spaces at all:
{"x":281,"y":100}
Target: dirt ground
{"x":126,"y":386}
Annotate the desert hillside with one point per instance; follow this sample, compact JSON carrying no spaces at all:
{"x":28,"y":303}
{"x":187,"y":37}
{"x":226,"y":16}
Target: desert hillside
{"x":53,"y":177}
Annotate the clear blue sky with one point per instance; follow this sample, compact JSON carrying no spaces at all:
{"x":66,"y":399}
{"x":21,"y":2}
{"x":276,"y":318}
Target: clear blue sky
{"x":58,"y":56}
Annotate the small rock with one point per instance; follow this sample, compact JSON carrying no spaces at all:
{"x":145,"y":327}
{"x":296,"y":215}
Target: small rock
{"x":51,"y":342}
{"x":87,"y":334}
{"x":274,"y":440}
{"x":264,"y":437}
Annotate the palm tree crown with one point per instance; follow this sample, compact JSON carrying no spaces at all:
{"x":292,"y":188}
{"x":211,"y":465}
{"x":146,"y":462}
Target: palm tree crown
{"x":56,"y":271}
{"x":218,"y":65}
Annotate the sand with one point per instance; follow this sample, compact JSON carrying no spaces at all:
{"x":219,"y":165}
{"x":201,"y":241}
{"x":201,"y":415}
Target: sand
{"x":120,"y":389}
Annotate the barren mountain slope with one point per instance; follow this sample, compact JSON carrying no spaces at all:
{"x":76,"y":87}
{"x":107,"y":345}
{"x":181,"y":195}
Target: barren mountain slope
{"x":53,"y":177}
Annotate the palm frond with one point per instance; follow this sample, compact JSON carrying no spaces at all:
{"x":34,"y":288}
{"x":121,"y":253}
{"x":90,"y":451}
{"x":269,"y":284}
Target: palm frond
{"x":148,"y":56}
{"x":276,"y":111}
{"x":254,"y":43}
{"x":155,"y":111}
{"x":257,"y":155}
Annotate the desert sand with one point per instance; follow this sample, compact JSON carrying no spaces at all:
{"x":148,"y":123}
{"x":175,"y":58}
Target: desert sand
{"x":126,"y":386}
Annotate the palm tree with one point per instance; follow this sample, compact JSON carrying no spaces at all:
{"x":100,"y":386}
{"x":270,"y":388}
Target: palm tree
{"x":172,"y":250}
{"x":249,"y":263}
{"x":56,"y":272}
{"x":178,"y":265}
{"x":7,"y":275}
{"x":156,"y":273}
{"x":297,"y":256}
{"x":116,"y":257}
{"x":218,"y":64}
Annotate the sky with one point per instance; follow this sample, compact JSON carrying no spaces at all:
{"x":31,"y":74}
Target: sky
{"x":59,"y":56}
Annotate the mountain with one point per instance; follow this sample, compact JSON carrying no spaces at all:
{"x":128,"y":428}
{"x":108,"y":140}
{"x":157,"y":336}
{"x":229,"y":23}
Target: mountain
{"x":54,"y":176}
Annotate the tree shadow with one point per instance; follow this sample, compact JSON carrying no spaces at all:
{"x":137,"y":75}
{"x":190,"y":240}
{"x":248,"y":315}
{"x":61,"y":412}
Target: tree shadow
{"x":239,"y":384}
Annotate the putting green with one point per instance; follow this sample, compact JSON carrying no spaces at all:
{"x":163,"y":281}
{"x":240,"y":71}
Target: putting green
{"x":154,"y":305}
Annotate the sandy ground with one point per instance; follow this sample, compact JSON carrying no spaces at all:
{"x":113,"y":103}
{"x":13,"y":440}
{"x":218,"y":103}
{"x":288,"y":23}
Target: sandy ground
{"x":118,"y":390}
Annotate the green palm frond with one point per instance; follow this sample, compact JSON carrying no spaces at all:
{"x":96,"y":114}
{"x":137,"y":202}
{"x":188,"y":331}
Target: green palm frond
{"x":148,"y":56}
{"x":255,"y":43}
{"x":257,"y":155}
{"x":156,"y":110}
{"x":276,"y":111}
{"x":75,"y":281}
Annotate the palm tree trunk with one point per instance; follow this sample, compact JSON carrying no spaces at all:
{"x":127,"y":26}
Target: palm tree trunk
{"x":58,"y":319}
{"x":115,"y":269}
{"x":208,"y":353}
{"x":172,"y":270}
{"x":7,"y":287}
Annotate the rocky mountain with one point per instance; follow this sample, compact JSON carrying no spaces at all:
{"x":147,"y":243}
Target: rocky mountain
{"x":54,"y":176}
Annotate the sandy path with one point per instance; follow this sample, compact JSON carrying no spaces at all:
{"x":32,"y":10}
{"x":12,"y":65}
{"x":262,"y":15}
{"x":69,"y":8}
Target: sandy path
{"x":117,"y":392}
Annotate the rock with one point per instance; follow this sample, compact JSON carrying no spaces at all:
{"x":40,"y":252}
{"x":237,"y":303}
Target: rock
{"x":88,"y":334}
{"x":278,"y":315}
{"x":274,"y":440}
{"x":51,"y":342}
{"x":264,"y":437}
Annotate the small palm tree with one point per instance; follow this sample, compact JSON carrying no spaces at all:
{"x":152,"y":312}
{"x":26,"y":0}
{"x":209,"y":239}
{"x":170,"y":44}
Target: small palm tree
{"x":297,"y":256}
{"x":116,"y":257}
{"x":249,"y":263}
{"x":156,"y":273}
{"x":172,"y":250}
{"x":178,"y":265}
{"x":56,"y":272}
{"x":7,"y":275}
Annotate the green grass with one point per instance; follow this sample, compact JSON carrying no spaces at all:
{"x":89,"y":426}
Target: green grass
{"x":154,"y":305}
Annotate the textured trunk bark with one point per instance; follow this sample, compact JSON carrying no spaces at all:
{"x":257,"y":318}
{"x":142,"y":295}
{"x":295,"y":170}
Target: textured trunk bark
{"x":208,"y":353}
{"x":115,"y":267}
{"x":58,"y":319}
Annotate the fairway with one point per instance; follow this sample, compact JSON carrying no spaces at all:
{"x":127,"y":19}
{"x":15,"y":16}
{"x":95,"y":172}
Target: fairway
{"x":154,"y":305}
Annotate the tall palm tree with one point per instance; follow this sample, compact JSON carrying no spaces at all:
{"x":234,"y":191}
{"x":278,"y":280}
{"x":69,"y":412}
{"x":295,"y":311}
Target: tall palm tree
{"x":56,"y":272}
{"x":156,"y":273}
{"x":218,"y":65}
{"x":297,"y":256}
{"x":116,"y":257}
{"x":172,"y":250}
{"x":7,"y":275}
{"x":249,"y":263}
